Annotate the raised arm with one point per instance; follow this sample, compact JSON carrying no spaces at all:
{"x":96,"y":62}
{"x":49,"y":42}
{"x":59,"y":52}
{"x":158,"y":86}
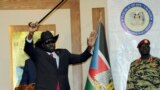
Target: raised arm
{"x":75,"y":58}
{"x":91,"y":40}
{"x":32,"y":28}
{"x":28,"y":41}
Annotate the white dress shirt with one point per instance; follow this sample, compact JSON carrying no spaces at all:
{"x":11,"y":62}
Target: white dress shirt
{"x":56,"y":57}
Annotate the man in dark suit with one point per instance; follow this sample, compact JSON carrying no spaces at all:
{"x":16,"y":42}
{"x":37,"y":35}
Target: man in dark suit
{"x":52,"y":64}
{"x":29,"y":73}
{"x":29,"y":70}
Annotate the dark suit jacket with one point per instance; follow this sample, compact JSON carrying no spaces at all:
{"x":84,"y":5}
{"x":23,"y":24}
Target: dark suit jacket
{"x":47,"y":72}
{"x":29,"y":73}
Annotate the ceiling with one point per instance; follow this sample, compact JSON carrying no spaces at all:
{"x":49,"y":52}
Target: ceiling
{"x":32,"y":4}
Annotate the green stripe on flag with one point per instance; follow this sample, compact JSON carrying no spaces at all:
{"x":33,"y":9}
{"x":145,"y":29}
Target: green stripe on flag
{"x":89,"y":85}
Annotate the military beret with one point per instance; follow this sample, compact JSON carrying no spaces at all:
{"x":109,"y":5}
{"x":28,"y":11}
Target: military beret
{"x":144,"y":41}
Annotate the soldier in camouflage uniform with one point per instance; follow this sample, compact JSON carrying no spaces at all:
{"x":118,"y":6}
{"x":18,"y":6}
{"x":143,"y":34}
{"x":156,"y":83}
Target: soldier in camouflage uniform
{"x":144,"y":72}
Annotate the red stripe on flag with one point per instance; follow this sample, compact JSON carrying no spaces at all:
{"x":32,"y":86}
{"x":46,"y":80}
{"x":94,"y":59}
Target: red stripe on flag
{"x":102,"y":65}
{"x":100,"y":68}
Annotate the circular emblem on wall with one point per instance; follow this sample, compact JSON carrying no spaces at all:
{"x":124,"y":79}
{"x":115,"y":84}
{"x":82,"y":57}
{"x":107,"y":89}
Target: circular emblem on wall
{"x":136,"y":18}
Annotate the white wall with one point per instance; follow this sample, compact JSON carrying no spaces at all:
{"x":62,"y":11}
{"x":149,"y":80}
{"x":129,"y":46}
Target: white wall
{"x":123,"y":45}
{"x":62,"y":20}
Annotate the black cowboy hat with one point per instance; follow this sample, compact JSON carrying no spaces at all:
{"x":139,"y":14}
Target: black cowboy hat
{"x":46,"y":35}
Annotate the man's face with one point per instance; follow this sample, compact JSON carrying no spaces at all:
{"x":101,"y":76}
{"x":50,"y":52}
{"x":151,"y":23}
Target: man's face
{"x":144,"y":50}
{"x":49,"y":45}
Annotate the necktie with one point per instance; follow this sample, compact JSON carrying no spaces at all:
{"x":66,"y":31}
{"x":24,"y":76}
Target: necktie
{"x":54,"y":55}
{"x":57,"y":86}
{"x":54,"y":61}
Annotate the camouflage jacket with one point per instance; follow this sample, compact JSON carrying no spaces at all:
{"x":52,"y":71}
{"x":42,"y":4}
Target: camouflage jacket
{"x":144,"y":74}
